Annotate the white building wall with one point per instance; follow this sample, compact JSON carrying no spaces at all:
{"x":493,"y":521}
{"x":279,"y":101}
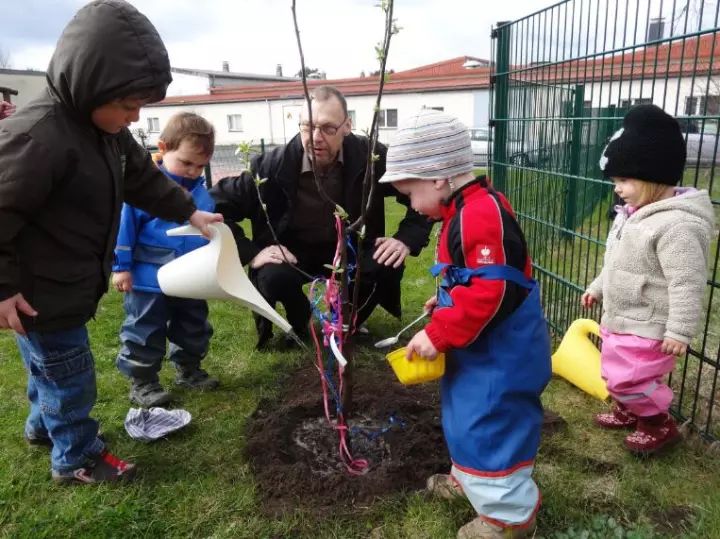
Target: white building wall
{"x":277,"y":121}
{"x":669,"y":95}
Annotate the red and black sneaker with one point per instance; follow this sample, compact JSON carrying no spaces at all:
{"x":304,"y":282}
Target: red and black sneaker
{"x":619,"y":418}
{"x":107,"y":468}
{"x":653,"y":434}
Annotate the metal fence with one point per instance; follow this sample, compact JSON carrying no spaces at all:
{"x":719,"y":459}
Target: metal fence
{"x":564,"y":78}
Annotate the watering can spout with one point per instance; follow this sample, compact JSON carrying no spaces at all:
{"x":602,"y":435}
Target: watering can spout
{"x":577,"y":359}
{"x":214,"y":271}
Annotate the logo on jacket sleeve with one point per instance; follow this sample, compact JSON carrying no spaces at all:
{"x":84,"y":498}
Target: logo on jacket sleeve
{"x":485,"y":255}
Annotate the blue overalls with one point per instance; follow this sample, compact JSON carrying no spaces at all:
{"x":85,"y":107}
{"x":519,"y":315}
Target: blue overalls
{"x":491,"y":409}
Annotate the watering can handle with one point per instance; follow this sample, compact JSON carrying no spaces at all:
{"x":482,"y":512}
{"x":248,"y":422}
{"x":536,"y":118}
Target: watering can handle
{"x":185,"y":230}
{"x":590,"y":326}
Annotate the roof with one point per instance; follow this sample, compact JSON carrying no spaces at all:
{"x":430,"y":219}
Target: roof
{"x":230,"y":74}
{"x":6,"y":71}
{"x":694,"y":56}
{"x":448,"y":75}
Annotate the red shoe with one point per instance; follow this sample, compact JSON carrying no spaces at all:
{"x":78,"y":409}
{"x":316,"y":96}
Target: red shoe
{"x":619,"y":418}
{"x":653,"y":434}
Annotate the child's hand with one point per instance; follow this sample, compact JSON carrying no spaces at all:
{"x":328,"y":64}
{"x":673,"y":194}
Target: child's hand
{"x":122,"y":281}
{"x":9,"y":313}
{"x":430,"y":304}
{"x":201,"y":219}
{"x":587,"y":300}
{"x":422,"y":346}
{"x":673,"y":347}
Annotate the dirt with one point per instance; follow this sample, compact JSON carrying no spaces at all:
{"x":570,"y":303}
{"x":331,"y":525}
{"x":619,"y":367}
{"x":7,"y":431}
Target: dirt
{"x":294,"y":453}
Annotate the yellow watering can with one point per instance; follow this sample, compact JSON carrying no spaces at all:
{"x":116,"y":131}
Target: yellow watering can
{"x":577,"y":359}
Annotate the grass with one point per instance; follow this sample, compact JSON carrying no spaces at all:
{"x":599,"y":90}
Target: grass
{"x":197,"y":484}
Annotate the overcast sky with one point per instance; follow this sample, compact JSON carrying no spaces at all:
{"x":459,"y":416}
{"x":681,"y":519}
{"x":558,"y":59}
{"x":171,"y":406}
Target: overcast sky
{"x":254,"y":35}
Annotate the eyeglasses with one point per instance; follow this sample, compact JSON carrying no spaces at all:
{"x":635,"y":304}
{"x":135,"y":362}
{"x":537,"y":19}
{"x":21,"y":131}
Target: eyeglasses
{"x":326,"y":129}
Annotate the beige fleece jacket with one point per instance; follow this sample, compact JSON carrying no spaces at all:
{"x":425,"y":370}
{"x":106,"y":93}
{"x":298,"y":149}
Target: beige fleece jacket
{"x":655,"y":268}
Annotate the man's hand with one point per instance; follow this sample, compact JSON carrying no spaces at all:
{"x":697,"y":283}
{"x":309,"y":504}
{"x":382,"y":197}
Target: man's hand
{"x":274,"y":254}
{"x":9,"y":308}
{"x":390,"y":252}
{"x":122,"y":281}
{"x":422,"y":346}
{"x":201,"y":219}
{"x":673,"y":347}
{"x":6,"y":109}
{"x":587,"y":300}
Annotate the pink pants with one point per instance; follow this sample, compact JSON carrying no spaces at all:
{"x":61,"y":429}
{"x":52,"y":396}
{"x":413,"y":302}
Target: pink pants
{"x":634,"y":368}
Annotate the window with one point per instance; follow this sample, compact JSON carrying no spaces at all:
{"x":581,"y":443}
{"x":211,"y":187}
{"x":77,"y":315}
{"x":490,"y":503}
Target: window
{"x":351,"y":115}
{"x":710,"y":105}
{"x":234,"y":122}
{"x":643,"y":101}
{"x":153,"y":125}
{"x":625,"y":103}
{"x":691,"y":106}
{"x":387,"y":118}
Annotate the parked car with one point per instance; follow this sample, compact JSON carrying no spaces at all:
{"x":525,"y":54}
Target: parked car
{"x":517,"y":153}
{"x":703,"y":148}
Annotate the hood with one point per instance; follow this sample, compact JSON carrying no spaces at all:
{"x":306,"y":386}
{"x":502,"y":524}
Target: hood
{"x":108,"y":50}
{"x":691,"y":201}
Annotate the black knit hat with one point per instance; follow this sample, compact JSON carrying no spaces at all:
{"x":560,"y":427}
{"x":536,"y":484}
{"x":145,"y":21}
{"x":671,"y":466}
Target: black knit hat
{"x":650,"y":147}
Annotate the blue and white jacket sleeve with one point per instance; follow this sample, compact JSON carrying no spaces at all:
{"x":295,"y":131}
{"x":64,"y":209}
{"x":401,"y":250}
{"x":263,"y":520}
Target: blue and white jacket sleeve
{"x":130,"y":222}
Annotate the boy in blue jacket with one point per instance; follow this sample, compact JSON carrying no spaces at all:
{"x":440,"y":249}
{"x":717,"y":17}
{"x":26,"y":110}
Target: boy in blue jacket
{"x":186,"y":146}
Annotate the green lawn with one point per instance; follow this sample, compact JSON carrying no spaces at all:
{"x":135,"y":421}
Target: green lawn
{"x":197,"y":483}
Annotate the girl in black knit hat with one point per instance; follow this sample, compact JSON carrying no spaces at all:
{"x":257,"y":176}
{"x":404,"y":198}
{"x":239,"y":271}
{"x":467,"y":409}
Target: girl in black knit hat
{"x":653,"y":277}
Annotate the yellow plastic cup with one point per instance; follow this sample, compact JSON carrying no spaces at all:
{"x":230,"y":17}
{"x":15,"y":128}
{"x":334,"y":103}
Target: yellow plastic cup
{"x":417,"y":370}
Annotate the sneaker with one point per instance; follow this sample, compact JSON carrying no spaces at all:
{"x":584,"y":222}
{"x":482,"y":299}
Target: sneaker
{"x":38,"y":441}
{"x":480,"y":528}
{"x":107,"y":468}
{"x":444,"y":486}
{"x":196,"y":378}
{"x":619,"y":418}
{"x":653,"y":434}
{"x":148,"y":394}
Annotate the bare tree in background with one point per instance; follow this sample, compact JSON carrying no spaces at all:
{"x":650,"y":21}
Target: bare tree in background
{"x":4,"y":58}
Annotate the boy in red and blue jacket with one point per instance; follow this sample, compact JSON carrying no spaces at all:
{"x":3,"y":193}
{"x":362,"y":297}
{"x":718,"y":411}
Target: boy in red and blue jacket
{"x":488,"y":321}
{"x":143,"y":246}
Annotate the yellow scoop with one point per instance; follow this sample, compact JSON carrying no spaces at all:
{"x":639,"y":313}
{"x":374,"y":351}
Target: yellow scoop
{"x":417,"y":370}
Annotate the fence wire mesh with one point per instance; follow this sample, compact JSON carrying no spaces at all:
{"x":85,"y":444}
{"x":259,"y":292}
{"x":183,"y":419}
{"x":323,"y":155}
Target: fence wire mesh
{"x":563,"y":79}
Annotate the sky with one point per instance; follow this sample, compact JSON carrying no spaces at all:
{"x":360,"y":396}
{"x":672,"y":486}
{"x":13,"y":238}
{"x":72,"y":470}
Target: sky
{"x":338,"y":36}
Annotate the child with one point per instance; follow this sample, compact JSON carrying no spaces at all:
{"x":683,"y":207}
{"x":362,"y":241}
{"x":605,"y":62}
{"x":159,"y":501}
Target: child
{"x":186,"y":145}
{"x":67,"y":160}
{"x":487,"y":319}
{"x":653,"y":277}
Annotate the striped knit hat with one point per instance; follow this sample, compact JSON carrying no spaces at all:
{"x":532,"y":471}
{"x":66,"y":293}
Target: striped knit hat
{"x":430,"y":145}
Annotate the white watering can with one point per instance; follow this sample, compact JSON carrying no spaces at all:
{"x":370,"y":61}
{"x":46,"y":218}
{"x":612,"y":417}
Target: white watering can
{"x":214,"y":271}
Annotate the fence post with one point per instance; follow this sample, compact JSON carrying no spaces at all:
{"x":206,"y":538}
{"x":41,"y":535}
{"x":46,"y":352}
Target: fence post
{"x":262,"y":146}
{"x":571,"y":185}
{"x":501,"y":84}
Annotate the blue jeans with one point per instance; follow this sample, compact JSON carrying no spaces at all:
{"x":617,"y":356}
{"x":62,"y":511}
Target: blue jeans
{"x":61,"y":389}
{"x":152,"y":319}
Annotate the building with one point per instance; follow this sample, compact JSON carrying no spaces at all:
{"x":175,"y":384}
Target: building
{"x":200,"y":81}
{"x":270,"y":111}
{"x":26,"y":82}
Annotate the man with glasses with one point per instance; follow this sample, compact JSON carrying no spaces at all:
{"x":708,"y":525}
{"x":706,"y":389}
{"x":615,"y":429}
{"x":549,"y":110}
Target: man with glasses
{"x":302,"y":216}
